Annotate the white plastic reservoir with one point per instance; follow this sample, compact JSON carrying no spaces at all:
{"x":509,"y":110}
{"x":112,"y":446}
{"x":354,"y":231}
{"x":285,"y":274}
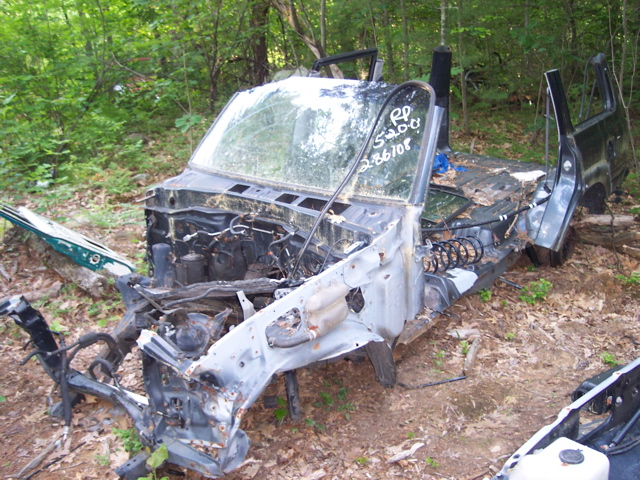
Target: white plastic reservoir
{"x":564,"y":459}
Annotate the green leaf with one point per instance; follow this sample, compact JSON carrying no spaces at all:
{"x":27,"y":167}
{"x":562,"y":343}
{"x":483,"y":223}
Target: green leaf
{"x":327,"y":398}
{"x":187,"y":121}
{"x":280,"y":414}
{"x":158,"y":457}
{"x":7,"y":100}
{"x":342,"y":394}
{"x":57,"y":327}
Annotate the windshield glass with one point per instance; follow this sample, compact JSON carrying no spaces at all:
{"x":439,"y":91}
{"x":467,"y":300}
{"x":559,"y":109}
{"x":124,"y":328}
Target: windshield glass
{"x":308,"y":131}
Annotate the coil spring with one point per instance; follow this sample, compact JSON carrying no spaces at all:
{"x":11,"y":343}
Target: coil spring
{"x":454,"y":253}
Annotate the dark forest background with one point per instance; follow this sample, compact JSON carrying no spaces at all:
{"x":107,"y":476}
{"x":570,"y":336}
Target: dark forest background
{"x":89,"y":87}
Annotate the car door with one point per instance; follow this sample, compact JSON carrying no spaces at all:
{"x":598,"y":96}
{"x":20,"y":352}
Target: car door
{"x":593,"y":154}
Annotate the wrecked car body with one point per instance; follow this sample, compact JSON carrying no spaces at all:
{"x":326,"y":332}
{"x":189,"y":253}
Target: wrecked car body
{"x":310,"y":224}
{"x":595,"y":437}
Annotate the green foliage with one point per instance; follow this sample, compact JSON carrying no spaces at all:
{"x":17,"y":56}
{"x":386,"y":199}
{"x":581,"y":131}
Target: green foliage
{"x":632,"y":184}
{"x":110,"y":216}
{"x":431,"y":462}
{"x":155,"y":461}
{"x":57,"y":327}
{"x":362,"y":461}
{"x":609,"y":359}
{"x":187,"y":121}
{"x":158,"y":457}
{"x":347,"y":407}
{"x":100,"y":311}
{"x":85,"y":85}
{"x":532,"y":38}
{"x":438,"y":358}
{"x":328,"y":403}
{"x":327,"y":398}
{"x":140,"y":260}
{"x":312,"y":423}
{"x":102,"y":459}
{"x":281,"y":412}
{"x":342,"y":394}
{"x":535,"y":292}
{"x":130,"y":440}
{"x":510,"y":336}
{"x":484,"y":294}
{"x":465,"y":346}
{"x":630,"y":281}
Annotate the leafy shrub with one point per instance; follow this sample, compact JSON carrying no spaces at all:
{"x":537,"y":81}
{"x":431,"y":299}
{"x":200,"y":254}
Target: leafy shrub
{"x":535,"y":291}
{"x":130,"y":441}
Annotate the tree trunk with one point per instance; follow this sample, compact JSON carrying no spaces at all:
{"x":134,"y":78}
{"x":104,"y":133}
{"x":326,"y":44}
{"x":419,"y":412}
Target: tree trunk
{"x":525,"y":58}
{"x":323,"y":24}
{"x":288,"y":11}
{"x":388,"y":43}
{"x":443,"y":22}
{"x":570,"y":32}
{"x":625,"y":33}
{"x":260,"y":63}
{"x":405,"y":39}
{"x":463,"y":81}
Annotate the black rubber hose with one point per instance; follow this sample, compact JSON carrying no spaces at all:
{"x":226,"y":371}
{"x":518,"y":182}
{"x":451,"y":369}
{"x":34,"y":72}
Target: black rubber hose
{"x":281,"y":240}
{"x":625,"y":429}
{"x":95,"y":337}
{"x":103,"y":363}
{"x":232,"y":226}
{"x":501,"y":218}
{"x":431,"y":384}
{"x":352,"y":170}
{"x":624,"y":448}
{"x":190,"y":299}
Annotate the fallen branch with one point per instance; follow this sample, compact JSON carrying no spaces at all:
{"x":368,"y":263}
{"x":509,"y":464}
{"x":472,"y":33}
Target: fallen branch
{"x":94,"y":284}
{"x":610,"y":231}
{"x":405,"y":453}
{"x":41,"y":456}
{"x":470,"y":360}
{"x":478,"y":474}
{"x":609,"y":239}
{"x":56,"y":460}
{"x":615,"y":221}
{"x":631,"y":251}
{"x":14,"y":268}
{"x":4,"y":273}
{"x":465,"y":333}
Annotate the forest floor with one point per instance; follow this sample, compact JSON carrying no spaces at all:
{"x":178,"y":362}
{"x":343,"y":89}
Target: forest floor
{"x":531,"y":358}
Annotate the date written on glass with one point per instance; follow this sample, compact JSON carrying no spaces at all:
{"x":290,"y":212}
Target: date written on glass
{"x":393,"y":141}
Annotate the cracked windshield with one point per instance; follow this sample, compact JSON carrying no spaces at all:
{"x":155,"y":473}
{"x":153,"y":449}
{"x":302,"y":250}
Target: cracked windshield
{"x":307,"y":132}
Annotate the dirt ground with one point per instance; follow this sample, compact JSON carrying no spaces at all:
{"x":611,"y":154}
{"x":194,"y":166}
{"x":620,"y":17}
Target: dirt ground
{"x":531,"y":358}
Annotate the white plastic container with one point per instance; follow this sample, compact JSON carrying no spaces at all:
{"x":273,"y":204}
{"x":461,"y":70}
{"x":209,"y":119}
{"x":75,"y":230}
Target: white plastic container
{"x":564,"y":459}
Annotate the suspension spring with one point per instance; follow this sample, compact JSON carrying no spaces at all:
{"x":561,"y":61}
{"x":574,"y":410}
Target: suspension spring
{"x":454,"y":253}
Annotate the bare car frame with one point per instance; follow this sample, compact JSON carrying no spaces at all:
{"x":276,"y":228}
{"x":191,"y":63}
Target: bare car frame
{"x":309,"y":224}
